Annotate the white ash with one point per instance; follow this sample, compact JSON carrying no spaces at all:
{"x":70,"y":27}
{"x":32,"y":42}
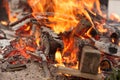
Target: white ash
{"x":32,"y":72}
{"x":4,"y":43}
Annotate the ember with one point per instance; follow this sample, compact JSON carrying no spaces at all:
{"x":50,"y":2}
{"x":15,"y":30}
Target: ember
{"x":70,"y":37}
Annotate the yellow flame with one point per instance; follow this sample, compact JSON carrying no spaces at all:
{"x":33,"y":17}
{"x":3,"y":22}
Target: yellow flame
{"x":65,"y":11}
{"x":4,"y":23}
{"x":58,"y":57}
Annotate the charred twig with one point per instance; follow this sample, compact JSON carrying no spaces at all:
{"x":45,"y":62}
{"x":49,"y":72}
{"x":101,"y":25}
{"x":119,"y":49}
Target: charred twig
{"x":44,"y":63}
{"x":19,"y":21}
{"x":21,"y":24}
{"x":15,"y":67}
{"x":45,"y":66}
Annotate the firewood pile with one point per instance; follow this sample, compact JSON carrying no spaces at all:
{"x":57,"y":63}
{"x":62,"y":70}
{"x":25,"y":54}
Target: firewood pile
{"x":46,"y":45}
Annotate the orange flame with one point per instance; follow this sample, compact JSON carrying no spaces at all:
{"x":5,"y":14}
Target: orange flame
{"x":58,"y":57}
{"x":65,"y":16}
{"x":101,"y":28}
{"x":4,"y":23}
{"x":65,"y":11}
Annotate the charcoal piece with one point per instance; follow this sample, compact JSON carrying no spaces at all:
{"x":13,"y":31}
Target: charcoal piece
{"x":3,"y":10}
{"x":113,"y":50}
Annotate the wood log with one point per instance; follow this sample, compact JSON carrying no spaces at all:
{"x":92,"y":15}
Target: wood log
{"x":50,"y":42}
{"x":83,"y":26}
{"x":75,"y":72}
{"x":90,"y":60}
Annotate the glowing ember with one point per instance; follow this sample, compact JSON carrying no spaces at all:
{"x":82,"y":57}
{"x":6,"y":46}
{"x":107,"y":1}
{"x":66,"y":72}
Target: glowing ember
{"x":4,"y":23}
{"x":58,"y":57}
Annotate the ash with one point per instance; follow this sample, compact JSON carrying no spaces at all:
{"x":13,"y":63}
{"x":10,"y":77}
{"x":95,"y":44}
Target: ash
{"x":32,"y":72}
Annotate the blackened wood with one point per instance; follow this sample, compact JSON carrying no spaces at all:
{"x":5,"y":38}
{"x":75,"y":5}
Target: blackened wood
{"x":3,"y":10}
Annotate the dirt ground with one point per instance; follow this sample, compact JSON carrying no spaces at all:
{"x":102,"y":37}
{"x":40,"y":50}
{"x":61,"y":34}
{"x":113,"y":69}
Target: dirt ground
{"x":32,"y":72}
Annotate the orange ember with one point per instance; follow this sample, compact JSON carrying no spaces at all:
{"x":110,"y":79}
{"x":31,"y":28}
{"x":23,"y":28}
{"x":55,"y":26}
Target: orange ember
{"x":4,"y":23}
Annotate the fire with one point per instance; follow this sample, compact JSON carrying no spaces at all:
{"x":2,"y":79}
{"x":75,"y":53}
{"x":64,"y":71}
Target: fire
{"x":58,"y":57}
{"x":64,"y":16}
{"x":101,"y":27}
{"x":65,"y":11}
{"x":4,"y":23}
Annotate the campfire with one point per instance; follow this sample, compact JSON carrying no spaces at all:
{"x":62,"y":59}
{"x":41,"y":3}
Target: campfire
{"x":70,"y":39}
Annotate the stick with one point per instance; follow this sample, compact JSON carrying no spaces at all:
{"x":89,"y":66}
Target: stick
{"x":45,"y":66}
{"x":17,"y":26}
{"x":15,"y":67}
{"x":19,"y":21}
{"x":75,"y":72}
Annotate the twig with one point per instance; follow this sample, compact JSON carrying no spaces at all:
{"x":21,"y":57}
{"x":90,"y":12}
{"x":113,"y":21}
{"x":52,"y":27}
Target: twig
{"x":45,"y":66}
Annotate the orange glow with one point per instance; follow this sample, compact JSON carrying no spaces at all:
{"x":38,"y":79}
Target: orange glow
{"x":115,"y":17}
{"x":101,"y":28}
{"x":65,"y":17}
{"x":4,"y":23}
{"x":119,"y":43}
{"x":113,"y":40}
{"x":99,"y":70}
{"x":12,"y":18}
{"x":65,"y":11}
{"x":58,"y":57}
{"x":27,"y":28}
{"x":37,"y":37}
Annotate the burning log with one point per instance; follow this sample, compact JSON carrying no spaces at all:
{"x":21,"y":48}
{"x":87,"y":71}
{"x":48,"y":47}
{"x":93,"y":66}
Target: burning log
{"x":16,"y":27}
{"x":50,"y":41}
{"x":83,"y":26}
{"x":19,"y":21}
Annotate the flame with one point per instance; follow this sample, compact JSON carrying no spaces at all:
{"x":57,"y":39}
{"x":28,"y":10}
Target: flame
{"x":113,"y":40}
{"x":63,"y":15}
{"x":65,"y":11}
{"x":101,"y":28}
{"x":58,"y":57}
{"x":115,"y":17}
{"x":4,"y":23}
{"x":119,"y":43}
{"x":12,"y":18}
